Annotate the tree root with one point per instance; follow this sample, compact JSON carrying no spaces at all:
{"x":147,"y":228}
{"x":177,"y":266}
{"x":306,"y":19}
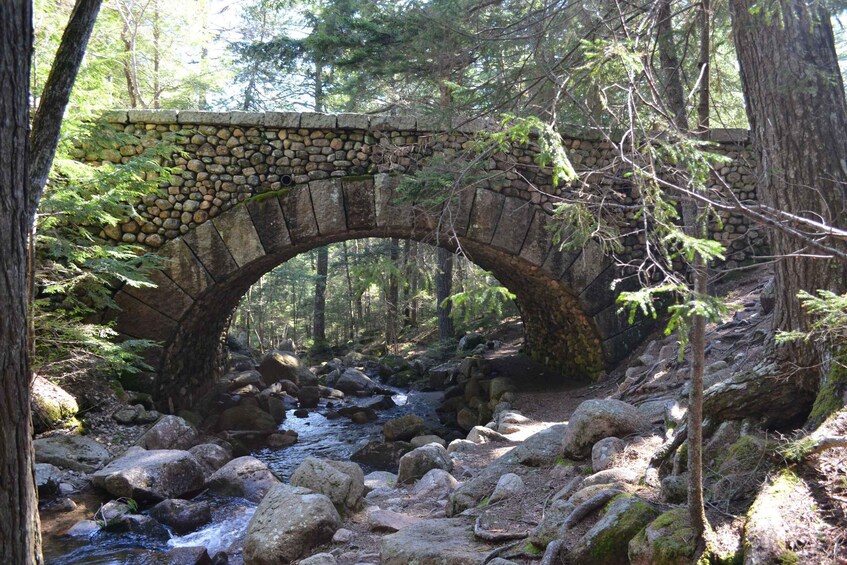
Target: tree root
{"x":489,"y":535}
{"x":580,"y":512}
{"x":500,"y":551}
{"x":551,"y":554}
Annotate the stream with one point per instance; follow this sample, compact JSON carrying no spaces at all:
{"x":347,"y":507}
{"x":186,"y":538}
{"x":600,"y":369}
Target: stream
{"x":317,"y":436}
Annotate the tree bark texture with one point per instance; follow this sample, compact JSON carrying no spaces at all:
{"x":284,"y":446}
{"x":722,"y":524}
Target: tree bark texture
{"x":797,"y":113}
{"x":47,"y":123}
{"x":319,"y":322}
{"x":443,"y":288}
{"x":20,"y":540}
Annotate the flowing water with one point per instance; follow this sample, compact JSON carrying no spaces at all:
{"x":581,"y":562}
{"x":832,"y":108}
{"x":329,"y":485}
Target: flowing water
{"x":318,"y":437}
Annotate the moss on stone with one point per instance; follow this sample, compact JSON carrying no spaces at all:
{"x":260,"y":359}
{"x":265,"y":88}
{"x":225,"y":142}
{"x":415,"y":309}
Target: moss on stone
{"x":610,"y":542}
{"x":563,"y":461}
{"x":531,"y":549}
{"x":262,"y":196}
{"x":673,"y":540}
{"x":830,"y":397}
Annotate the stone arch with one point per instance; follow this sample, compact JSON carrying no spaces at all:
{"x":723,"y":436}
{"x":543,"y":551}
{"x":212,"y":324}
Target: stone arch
{"x":565,"y":297}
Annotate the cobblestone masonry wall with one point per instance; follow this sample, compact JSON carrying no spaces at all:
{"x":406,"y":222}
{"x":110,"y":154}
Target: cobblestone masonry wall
{"x":328,"y":178}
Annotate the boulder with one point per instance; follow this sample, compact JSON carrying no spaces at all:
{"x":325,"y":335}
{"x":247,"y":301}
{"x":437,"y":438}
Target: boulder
{"x":511,"y":421}
{"x":343,"y":482}
{"x":52,"y":406}
{"x":481,"y":434}
{"x":246,"y":418}
{"x":603,"y":451}
{"x":320,"y":559}
{"x":211,"y":456}
{"x":467,"y":418}
{"x":389,"y":521}
{"x":135,"y":415}
{"x":170,"y":432}
{"x":284,"y":439}
{"x":417,"y":462}
{"x":78,"y":453}
{"x":182,"y":516}
{"x":391,"y":364}
{"x":287,"y":524}
{"x":669,"y":540}
{"x":767,"y":533}
{"x":443,"y":541}
{"x":245,"y":378}
{"x":596,"y":419}
{"x":500,"y":386}
{"x":607,"y":542}
{"x":308,"y":396}
{"x":246,"y":477}
{"x":279,"y":365}
{"x":277,"y":409}
{"x":83,"y":529}
{"x":420,"y":441}
{"x":380,"y":455}
{"x":380,"y":480}
{"x":353,"y":381}
{"x":470,"y":341}
{"x":675,"y":488}
{"x":151,"y":475}
{"x":138,"y":524}
{"x":403,"y":428}
{"x":47,"y":480}
{"x":508,"y":486}
{"x":435,"y":484}
{"x":193,"y":555}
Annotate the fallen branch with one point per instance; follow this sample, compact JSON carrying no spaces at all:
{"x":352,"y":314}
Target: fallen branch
{"x":580,"y":512}
{"x":489,"y":535}
{"x":669,"y":448}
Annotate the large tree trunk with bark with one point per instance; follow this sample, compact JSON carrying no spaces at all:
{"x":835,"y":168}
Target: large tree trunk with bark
{"x":797,"y":113}
{"x":47,"y":123}
{"x":20,"y":540}
{"x":443,"y":288}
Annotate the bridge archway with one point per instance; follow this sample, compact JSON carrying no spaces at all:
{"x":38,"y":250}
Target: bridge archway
{"x":564,"y":297}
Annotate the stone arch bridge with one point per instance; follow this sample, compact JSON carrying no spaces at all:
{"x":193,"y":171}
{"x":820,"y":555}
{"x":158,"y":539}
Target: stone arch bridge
{"x":252,"y":190}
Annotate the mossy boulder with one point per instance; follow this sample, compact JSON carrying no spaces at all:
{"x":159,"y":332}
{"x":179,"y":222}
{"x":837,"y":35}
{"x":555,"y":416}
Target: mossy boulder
{"x":832,"y":394}
{"x":607,"y":542}
{"x":391,"y":364}
{"x":52,"y":406}
{"x":667,"y":540}
{"x":767,"y":531}
{"x":742,"y":468}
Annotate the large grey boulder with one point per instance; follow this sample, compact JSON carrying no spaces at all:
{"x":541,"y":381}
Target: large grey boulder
{"x":353,"y":381}
{"x":596,"y":419}
{"x":246,"y":477}
{"x":52,"y":406}
{"x":603,"y":451}
{"x":607,"y":542}
{"x":343,"y":482}
{"x":444,"y":541}
{"x":419,"y":461}
{"x":287,"y":524}
{"x":170,"y":432}
{"x":182,"y":516}
{"x":403,"y":428}
{"x":47,"y":480}
{"x":211,"y":456}
{"x":279,"y":365}
{"x":151,"y":475}
{"x":380,"y":455}
{"x":246,"y":418}
{"x":78,"y":453}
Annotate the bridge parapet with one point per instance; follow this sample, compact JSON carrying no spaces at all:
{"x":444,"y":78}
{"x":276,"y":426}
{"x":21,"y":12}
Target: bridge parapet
{"x":223,"y":158}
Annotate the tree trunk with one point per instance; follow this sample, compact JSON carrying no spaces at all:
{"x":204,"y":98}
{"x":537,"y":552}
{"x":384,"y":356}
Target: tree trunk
{"x":798,"y":116}
{"x":351,"y":328}
{"x":443,"y":288}
{"x":319,"y":322}
{"x":47,"y":123}
{"x":705,"y":91}
{"x":20,"y":539}
{"x":673,"y":90}
{"x":696,"y":510}
{"x":392,"y":298}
